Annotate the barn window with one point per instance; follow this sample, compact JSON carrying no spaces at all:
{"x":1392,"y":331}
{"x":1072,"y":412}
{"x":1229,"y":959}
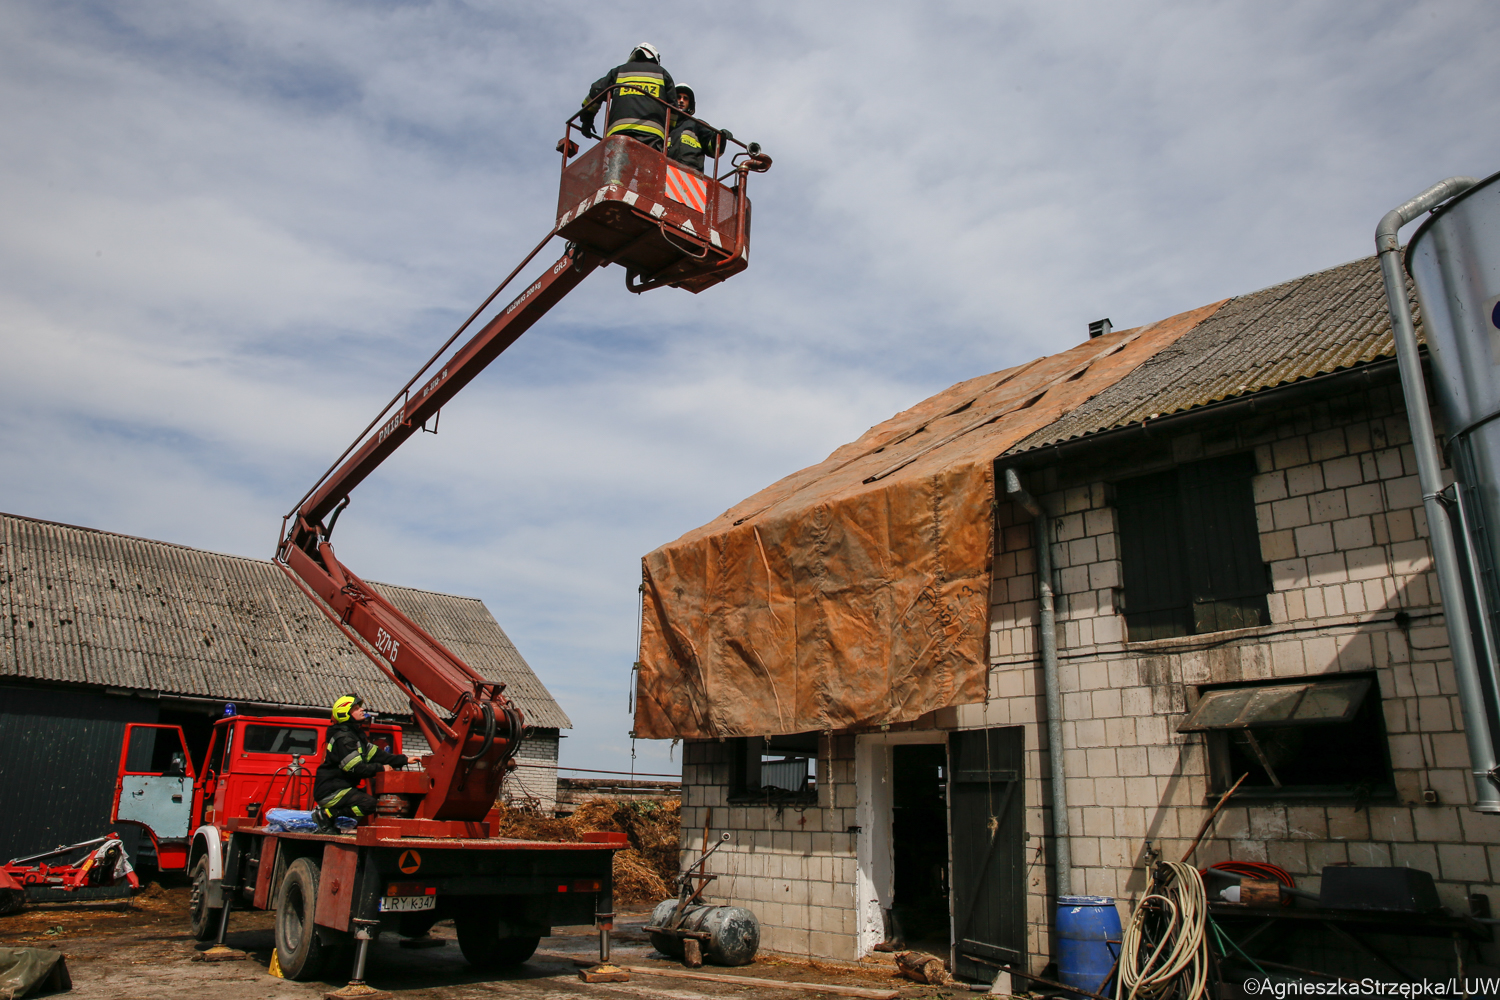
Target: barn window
{"x":1308,"y":739}
{"x":778,"y":767}
{"x":1190,"y":550}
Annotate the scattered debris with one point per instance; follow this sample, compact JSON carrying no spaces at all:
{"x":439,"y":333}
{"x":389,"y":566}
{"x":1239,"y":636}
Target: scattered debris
{"x":921,"y":967}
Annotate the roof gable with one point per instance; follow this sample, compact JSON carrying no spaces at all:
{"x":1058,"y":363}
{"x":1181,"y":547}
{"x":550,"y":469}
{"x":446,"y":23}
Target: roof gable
{"x":83,"y":606}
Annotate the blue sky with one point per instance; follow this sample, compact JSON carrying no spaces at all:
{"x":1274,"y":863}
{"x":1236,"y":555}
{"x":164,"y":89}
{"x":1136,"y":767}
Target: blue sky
{"x":231,"y":230}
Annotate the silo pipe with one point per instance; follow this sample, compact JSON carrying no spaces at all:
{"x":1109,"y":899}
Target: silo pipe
{"x":1062,"y":851}
{"x":1441,"y":534}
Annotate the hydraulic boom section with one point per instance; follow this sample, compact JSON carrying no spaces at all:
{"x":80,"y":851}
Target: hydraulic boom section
{"x":621,"y":202}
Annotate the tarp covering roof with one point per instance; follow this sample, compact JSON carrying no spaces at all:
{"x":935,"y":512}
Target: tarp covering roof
{"x":80,"y":606}
{"x":856,"y":592}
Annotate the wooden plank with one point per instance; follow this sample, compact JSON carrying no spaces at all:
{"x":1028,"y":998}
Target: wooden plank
{"x":712,"y":977}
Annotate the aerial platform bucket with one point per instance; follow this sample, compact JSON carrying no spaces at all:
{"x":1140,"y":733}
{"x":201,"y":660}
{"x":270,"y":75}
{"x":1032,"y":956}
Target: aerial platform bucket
{"x":665,"y":222}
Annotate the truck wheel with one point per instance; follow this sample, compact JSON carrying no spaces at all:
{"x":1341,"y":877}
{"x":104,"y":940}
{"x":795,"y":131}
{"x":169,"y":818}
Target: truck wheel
{"x":204,"y":919}
{"x":11,"y":901}
{"x":483,"y":947}
{"x":298,"y":947}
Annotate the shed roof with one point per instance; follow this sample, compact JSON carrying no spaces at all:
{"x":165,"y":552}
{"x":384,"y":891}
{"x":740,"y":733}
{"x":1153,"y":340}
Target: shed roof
{"x":83,"y":606}
{"x":1313,"y":325}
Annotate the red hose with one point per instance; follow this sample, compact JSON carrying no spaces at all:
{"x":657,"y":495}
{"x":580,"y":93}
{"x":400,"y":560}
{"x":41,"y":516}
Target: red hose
{"x":1257,"y":870}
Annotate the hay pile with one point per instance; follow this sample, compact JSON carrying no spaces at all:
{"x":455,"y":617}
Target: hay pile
{"x":643,"y":872}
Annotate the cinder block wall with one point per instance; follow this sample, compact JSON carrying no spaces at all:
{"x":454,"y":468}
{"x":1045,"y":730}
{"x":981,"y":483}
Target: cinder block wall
{"x":533,"y":784}
{"x":793,"y":866}
{"x":1342,"y":525}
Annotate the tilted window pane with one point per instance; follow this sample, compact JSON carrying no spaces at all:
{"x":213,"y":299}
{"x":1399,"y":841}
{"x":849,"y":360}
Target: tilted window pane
{"x":1278,"y":705}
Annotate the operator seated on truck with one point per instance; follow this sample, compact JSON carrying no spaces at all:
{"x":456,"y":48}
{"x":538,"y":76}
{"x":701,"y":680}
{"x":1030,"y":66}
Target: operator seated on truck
{"x":691,"y":140}
{"x":349,"y":758}
{"x":635,"y":109}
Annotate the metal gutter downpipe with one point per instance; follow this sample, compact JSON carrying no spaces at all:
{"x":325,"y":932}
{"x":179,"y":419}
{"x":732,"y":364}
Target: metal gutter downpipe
{"x":1451,"y":583}
{"x":1062,"y":849}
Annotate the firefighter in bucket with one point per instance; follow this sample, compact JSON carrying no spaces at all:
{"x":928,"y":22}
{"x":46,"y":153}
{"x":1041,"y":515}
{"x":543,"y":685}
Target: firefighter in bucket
{"x":348,"y":759}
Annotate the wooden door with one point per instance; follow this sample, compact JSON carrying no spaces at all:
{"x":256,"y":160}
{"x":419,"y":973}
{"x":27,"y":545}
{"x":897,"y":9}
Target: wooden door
{"x":987,"y":804}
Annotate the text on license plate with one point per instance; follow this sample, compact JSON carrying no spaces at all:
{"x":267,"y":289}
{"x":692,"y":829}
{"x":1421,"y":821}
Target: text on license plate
{"x":406,"y":904}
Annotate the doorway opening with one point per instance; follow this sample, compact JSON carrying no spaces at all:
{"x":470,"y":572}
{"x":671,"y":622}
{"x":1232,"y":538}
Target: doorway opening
{"x":919,"y":847}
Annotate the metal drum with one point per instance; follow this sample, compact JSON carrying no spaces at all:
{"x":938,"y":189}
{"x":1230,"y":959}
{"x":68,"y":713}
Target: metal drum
{"x":733,"y":932}
{"x":1454,"y":259}
{"x":1088,"y":932}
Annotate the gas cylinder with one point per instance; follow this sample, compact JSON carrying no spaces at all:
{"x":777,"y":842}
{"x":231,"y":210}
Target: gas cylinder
{"x":733,"y":932}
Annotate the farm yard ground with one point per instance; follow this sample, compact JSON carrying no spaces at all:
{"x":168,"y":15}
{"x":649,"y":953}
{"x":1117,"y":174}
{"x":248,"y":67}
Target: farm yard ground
{"x":141,"y":949}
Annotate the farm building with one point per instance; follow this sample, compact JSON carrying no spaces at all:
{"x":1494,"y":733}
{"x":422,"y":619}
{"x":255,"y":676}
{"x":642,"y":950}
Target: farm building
{"x":98,"y":630}
{"x":1233,"y":520}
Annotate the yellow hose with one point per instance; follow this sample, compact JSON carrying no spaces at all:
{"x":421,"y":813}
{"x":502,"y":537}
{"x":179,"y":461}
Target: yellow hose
{"x":1182,"y":946}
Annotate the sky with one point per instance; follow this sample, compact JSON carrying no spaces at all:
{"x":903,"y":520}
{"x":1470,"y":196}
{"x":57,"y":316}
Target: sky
{"x":229,"y":232}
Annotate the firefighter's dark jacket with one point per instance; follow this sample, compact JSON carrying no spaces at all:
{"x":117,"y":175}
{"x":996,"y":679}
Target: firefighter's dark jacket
{"x":349,"y":758}
{"x":691,"y":142}
{"x":632,"y":110}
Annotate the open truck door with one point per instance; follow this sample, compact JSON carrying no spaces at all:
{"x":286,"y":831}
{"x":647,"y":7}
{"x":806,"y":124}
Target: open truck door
{"x":154,"y":789}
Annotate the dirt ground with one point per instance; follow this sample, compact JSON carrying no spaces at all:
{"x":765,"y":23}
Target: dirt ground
{"x":141,"y":949}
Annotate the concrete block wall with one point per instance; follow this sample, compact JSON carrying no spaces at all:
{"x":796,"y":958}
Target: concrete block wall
{"x":792,"y":865}
{"x":533,"y":784}
{"x":1342,"y":527}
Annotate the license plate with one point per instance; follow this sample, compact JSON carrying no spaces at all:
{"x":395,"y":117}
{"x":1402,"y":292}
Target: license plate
{"x":407,"y":904}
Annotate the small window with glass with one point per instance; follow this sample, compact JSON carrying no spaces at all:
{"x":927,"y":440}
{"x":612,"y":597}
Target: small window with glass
{"x":775,"y":767}
{"x":284,"y":740}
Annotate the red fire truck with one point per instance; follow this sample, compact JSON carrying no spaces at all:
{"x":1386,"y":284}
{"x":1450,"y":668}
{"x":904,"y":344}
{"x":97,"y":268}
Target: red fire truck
{"x":429,"y":853}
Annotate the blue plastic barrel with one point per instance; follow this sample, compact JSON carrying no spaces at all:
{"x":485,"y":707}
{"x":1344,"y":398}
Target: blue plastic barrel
{"x":1088,"y":933}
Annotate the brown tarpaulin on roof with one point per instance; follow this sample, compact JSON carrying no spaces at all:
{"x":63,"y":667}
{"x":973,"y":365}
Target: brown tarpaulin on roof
{"x":856,"y":592}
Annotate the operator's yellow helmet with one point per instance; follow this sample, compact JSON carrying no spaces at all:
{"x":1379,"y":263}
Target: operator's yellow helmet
{"x":345,"y":707}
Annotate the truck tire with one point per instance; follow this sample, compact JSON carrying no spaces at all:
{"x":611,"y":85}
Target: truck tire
{"x":483,"y":947}
{"x":11,"y":901}
{"x":299,"y":948}
{"x":202,"y":918}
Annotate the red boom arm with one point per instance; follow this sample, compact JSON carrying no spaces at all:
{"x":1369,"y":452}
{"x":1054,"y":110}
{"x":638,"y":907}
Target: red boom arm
{"x":472,"y":727}
{"x":621,"y":202}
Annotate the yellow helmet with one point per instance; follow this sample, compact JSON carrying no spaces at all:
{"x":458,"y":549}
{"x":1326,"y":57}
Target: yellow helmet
{"x":345,"y":706}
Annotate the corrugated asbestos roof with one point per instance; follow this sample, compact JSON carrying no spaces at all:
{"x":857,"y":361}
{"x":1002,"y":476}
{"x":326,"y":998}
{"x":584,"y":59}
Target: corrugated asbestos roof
{"x":1310,"y":326}
{"x":82,"y":606}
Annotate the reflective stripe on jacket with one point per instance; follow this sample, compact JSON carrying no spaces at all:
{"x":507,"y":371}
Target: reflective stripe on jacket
{"x":348,"y":759}
{"x":633,"y":108}
{"x":691,"y":143}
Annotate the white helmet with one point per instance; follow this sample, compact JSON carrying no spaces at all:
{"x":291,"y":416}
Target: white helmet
{"x":646,"y":50}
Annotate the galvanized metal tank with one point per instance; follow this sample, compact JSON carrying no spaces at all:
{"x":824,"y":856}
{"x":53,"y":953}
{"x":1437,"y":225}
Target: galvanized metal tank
{"x":733,"y":932}
{"x":1454,"y":259}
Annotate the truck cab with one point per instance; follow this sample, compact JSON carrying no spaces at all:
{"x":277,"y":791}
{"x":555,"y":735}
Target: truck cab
{"x":253,"y":764}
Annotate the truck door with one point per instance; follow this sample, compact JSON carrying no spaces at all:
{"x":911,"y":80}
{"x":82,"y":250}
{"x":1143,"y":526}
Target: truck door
{"x":155,"y":789}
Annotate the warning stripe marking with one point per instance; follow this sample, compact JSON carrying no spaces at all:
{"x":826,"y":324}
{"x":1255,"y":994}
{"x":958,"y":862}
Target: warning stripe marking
{"x":686,"y":189}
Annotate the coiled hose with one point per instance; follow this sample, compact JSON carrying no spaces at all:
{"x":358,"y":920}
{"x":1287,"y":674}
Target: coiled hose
{"x":1164,"y":952}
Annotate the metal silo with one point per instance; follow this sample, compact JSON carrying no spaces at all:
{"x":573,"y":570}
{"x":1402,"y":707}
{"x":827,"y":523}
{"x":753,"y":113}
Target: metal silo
{"x":1454,"y":260}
